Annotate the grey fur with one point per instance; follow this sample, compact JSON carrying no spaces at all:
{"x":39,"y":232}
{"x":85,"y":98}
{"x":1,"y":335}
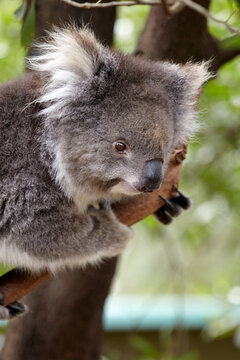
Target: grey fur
{"x":57,"y":127}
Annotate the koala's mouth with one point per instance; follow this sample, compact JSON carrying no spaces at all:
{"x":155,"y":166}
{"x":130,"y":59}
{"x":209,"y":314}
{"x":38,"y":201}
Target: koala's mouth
{"x":123,"y":187}
{"x":107,"y":185}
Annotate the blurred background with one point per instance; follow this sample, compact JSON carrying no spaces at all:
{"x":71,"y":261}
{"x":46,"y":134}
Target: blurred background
{"x":183,"y":277}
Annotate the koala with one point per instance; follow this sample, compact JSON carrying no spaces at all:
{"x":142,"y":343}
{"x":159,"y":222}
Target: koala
{"x":86,"y":127}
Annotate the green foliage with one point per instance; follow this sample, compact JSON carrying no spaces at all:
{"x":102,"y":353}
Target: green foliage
{"x":192,"y":355}
{"x":4,"y":269}
{"x":149,"y":349}
{"x":11,"y":52}
{"x":231,"y":43}
{"x":26,"y":13}
{"x":226,"y":10}
{"x":21,"y":11}
{"x":145,"y":347}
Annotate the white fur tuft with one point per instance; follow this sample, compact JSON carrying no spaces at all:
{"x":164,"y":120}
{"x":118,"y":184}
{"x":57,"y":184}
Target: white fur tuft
{"x":197,"y":75}
{"x":69,"y":56}
{"x":193,"y":76}
{"x":70,"y":51}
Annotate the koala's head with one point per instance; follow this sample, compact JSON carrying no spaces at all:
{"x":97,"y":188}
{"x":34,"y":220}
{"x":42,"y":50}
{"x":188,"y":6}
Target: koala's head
{"x":112,"y":121}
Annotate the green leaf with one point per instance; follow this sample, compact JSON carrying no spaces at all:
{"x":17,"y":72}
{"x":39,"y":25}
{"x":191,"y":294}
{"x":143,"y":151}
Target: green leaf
{"x":231,"y":43}
{"x":238,"y":2}
{"x":20,"y":12}
{"x":144,"y":346}
{"x":4,"y":269}
{"x":28,"y":27}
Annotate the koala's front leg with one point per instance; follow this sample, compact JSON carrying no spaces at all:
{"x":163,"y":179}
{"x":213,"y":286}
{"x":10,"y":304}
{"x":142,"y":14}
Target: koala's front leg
{"x":60,"y":237}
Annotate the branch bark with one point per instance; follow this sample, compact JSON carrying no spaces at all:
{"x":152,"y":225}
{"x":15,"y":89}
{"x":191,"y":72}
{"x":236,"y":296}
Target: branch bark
{"x":172,"y":9}
{"x":226,"y":55}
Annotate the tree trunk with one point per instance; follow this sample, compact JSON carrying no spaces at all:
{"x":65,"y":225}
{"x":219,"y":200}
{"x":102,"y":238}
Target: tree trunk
{"x":178,"y":38}
{"x":49,"y":12}
{"x":64,"y":321}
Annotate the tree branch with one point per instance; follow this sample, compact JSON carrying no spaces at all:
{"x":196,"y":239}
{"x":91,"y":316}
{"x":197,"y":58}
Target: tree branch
{"x":172,"y":9}
{"x":204,"y":12}
{"x":227,"y":55}
{"x":87,"y":5}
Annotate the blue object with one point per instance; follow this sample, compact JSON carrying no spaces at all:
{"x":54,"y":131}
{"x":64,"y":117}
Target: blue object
{"x":124,"y":313}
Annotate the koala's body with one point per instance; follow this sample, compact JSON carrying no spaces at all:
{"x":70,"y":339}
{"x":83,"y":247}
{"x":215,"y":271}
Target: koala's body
{"x":87,"y":126}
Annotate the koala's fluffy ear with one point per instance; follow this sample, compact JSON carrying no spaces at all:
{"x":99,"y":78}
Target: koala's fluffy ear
{"x":69,"y":57}
{"x":183,"y":84}
{"x":67,"y":52}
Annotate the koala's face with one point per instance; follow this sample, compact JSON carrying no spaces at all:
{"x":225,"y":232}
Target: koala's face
{"x":132,"y":139}
{"x":111,"y":120}
{"x":120,"y":143}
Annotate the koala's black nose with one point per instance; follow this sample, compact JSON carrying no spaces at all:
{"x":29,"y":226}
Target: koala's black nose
{"x":151,"y":177}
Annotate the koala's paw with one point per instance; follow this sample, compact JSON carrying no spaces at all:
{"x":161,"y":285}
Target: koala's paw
{"x":4,"y":313}
{"x":12,"y":310}
{"x":172,"y":208}
{"x":101,"y":207}
{"x":115,"y":235}
{"x":120,"y":233}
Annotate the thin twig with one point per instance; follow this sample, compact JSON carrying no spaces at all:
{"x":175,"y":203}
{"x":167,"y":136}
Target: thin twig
{"x":173,"y":9}
{"x":88,"y":5}
{"x":201,"y":10}
{"x":176,"y":7}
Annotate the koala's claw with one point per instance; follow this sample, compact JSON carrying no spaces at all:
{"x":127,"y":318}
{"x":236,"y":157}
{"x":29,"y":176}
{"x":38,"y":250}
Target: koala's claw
{"x":184,"y":201}
{"x":12,"y":310}
{"x":16,"y":308}
{"x":163,"y":217}
{"x":172,"y":207}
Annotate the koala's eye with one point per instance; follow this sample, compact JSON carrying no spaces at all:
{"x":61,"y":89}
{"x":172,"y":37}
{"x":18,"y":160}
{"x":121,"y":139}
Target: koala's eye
{"x":120,"y":147}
